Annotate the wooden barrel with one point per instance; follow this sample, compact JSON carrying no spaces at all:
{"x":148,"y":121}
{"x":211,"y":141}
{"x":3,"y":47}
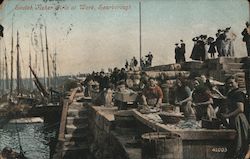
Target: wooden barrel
{"x":161,"y":145}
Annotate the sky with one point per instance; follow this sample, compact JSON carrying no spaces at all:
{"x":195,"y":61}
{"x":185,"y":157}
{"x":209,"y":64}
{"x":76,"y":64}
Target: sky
{"x":100,"y":34}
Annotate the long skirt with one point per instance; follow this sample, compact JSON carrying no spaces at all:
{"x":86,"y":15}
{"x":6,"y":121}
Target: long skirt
{"x":241,"y":125}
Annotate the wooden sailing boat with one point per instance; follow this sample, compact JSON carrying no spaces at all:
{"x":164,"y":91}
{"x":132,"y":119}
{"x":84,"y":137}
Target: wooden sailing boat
{"x":11,"y":61}
{"x":19,"y":102}
{"x":22,"y":97}
{"x":4,"y":81}
{"x":4,"y":78}
{"x":46,"y":89}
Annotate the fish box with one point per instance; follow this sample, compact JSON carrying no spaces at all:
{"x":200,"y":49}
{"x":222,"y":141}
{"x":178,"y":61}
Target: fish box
{"x":126,"y":96}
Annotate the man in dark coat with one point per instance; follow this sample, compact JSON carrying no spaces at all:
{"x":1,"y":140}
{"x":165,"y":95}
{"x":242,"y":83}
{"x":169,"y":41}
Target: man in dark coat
{"x":183,"y":51}
{"x":1,"y":30}
{"x":177,"y":53}
{"x":135,"y":61}
{"x":114,"y":77}
{"x":103,"y":81}
{"x":246,"y":37}
{"x":122,"y":76}
{"x":126,"y":64}
{"x":149,"y":57}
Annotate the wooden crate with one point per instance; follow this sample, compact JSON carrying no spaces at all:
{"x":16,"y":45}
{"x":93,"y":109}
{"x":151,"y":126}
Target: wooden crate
{"x":125,"y":97}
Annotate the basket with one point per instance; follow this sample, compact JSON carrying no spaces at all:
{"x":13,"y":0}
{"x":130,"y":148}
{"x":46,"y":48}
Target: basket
{"x":214,"y":124}
{"x":167,"y":108}
{"x":170,"y":119}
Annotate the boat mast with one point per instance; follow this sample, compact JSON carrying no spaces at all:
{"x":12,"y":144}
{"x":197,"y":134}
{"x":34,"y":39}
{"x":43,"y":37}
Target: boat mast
{"x":30,"y":82}
{"x":1,"y":77}
{"x":54,"y":67}
{"x":18,"y":65}
{"x":140,"y":30}
{"x":6,"y":71}
{"x":11,"y":61}
{"x":3,"y":72}
{"x":44,"y":82}
{"x":47,"y":56}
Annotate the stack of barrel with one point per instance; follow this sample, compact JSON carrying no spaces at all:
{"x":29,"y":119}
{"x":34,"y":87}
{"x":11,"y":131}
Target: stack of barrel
{"x":136,"y":77}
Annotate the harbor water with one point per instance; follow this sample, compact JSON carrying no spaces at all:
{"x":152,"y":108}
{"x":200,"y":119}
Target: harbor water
{"x":35,"y":138}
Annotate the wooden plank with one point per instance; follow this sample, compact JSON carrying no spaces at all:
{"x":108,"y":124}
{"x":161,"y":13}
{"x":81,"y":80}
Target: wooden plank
{"x":63,"y":120}
{"x":71,"y":98}
{"x":66,"y":104}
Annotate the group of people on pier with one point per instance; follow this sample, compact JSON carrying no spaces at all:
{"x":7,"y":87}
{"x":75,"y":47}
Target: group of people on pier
{"x":223,"y":44}
{"x":132,"y":65}
{"x":147,"y":61}
{"x":144,"y":62}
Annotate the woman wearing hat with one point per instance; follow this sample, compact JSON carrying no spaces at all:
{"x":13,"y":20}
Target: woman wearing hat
{"x":218,"y":42}
{"x":212,"y":45}
{"x":195,"y":53}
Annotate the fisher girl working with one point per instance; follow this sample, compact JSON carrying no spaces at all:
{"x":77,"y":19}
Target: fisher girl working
{"x":152,"y":95}
{"x":237,"y":118}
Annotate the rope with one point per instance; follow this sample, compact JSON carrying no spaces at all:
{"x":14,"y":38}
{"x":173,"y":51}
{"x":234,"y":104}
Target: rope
{"x":19,"y":141}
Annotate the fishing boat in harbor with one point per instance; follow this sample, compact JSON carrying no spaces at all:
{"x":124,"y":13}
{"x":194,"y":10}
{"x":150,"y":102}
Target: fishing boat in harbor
{"x":21,"y":101}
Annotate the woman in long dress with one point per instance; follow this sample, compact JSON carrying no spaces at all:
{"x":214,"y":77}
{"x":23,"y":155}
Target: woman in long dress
{"x":237,"y":118}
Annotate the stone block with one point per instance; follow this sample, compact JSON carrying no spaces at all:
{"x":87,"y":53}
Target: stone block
{"x":77,"y":136}
{"x":77,"y":112}
{"x":193,"y":65}
{"x":77,"y":120}
{"x":233,"y":66}
{"x":70,"y":129}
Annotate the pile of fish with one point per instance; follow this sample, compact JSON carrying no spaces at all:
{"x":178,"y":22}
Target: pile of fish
{"x":148,"y":109}
{"x":154,"y":117}
{"x":186,"y":124}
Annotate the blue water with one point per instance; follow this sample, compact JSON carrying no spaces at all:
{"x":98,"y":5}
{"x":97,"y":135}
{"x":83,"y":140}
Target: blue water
{"x":34,"y":139}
